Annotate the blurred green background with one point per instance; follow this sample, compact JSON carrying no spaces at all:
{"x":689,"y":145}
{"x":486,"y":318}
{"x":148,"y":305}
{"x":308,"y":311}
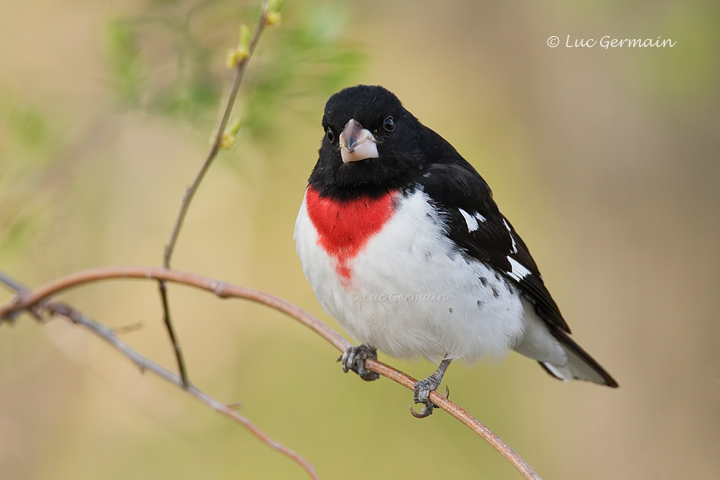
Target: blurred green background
{"x":606,"y":161}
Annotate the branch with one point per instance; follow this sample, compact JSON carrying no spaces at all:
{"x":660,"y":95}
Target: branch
{"x":215,"y":148}
{"x":33,"y":300}
{"x":148,"y":365}
{"x":239,"y":67}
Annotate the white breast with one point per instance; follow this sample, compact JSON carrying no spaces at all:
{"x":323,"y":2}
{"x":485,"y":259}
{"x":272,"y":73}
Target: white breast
{"x":412,"y":293}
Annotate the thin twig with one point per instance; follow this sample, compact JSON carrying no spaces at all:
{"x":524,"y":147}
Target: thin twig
{"x":190,"y":192}
{"x":215,"y":148}
{"x":19,"y":290}
{"x":174,"y":342}
{"x":226,"y":290}
{"x":147,"y":365}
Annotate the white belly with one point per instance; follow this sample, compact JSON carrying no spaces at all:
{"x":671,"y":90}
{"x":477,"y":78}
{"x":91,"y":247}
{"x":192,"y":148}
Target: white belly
{"x":411,"y":293}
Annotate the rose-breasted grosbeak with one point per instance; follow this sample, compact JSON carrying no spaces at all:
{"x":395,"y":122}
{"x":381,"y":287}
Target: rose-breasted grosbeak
{"x":404,"y":245}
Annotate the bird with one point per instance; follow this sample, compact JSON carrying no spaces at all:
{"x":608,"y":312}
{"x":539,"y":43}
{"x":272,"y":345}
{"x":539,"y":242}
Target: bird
{"x":403,"y":244}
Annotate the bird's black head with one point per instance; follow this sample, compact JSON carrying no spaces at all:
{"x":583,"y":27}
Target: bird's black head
{"x":371,"y":144}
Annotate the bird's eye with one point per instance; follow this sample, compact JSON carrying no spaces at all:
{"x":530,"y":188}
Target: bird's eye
{"x":389,"y":124}
{"x":330,"y":135}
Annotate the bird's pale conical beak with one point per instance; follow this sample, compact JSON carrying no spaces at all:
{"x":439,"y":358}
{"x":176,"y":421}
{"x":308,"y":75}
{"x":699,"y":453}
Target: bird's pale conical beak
{"x":357,"y":143}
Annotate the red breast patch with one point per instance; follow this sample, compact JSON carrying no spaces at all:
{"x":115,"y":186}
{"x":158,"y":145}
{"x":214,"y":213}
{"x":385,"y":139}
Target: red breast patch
{"x":344,"y":227}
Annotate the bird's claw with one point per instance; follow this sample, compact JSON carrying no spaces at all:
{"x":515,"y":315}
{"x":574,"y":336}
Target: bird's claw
{"x":426,"y":411}
{"x":354,"y":359}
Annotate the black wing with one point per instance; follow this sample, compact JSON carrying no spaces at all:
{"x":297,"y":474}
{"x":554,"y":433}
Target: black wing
{"x":478,"y":228}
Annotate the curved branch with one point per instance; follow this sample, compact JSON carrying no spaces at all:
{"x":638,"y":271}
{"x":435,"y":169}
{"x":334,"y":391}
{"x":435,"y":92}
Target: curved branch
{"x":27,"y":301}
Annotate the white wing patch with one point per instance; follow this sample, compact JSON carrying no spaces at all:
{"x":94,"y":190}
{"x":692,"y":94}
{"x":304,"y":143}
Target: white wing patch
{"x":471,"y":221}
{"x":514,"y":245}
{"x":480,"y":218}
{"x":517,"y":271}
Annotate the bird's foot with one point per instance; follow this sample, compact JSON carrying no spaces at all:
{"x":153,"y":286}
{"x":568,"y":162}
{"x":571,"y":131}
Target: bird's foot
{"x":354,"y":359}
{"x":424,"y":387}
{"x":422,"y":395}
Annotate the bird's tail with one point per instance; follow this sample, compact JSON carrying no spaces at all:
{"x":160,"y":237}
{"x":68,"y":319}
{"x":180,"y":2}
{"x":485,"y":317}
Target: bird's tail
{"x":580,"y":365}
